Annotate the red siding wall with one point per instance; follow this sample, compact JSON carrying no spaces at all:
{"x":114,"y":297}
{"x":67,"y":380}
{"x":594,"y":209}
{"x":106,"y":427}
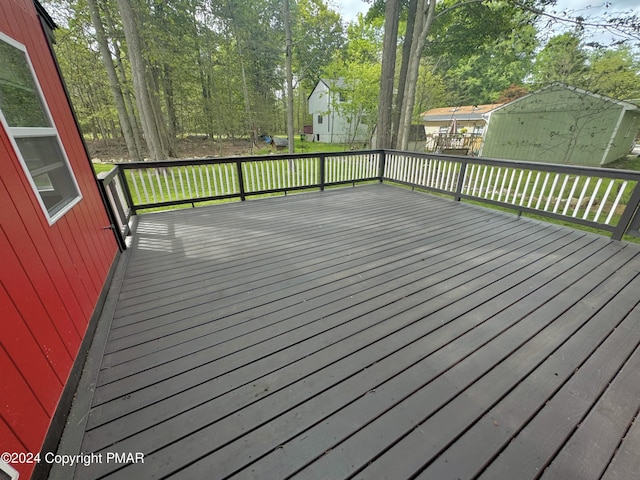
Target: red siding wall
{"x":50,"y":276}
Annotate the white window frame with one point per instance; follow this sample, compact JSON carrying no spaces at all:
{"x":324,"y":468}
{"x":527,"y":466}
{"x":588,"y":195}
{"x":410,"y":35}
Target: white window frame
{"x":42,"y":132}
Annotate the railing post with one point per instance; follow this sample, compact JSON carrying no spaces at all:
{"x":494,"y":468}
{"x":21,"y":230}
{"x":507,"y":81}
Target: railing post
{"x":105,"y":190}
{"x":322,"y":172}
{"x":125,"y":188}
{"x":381,"y":165}
{"x":460,"y":185}
{"x":240,"y":179}
{"x":631,"y":215}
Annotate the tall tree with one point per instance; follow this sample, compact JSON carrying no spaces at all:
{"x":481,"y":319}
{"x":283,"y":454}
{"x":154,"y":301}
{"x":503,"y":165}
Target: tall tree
{"x":141,"y":87}
{"x":614,"y":73}
{"x":107,"y":60}
{"x":425,"y":14}
{"x":387,"y":76}
{"x":288,"y":72}
{"x":563,"y":59}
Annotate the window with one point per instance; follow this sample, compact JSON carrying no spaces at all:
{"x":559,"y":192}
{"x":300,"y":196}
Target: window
{"x":27,"y":120}
{"x":319,"y":119}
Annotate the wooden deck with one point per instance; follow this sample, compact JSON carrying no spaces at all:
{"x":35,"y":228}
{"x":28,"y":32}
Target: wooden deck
{"x":369,"y":333}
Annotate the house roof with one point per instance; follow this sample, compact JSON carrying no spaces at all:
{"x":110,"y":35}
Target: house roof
{"x":467,"y":112}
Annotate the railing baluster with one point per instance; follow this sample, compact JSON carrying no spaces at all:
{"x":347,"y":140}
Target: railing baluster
{"x":604,"y":200}
{"x":184,"y":195}
{"x":484,"y":175}
{"x":616,"y":202}
{"x":206,"y":171}
{"x":594,"y":194}
{"x":202,"y":187}
{"x":135,"y":183}
{"x":526,"y":186}
{"x":551,"y":192}
{"x":506,"y":197}
{"x":159,"y":184}
{"x":491,"y":189}
{"x":582,"y":195}
{"x":467,"y":186}
{"x":218,"y":175}
{"x":144,"y":186}
{"x":533,"y":190}
{"x":195,"y":181}
{"x":515,"y":194}
{"x":215,"y":178}
{"x":562,"y":188}
{"x":503,"y":174}
{"x":573,"y":190}
{"x":186,"y":176}
{"x":542,"y":191}
{"x":229,"y":186}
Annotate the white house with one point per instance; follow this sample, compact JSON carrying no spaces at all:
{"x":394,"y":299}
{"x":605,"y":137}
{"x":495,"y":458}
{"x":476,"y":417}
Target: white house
{"x":331,"y":124}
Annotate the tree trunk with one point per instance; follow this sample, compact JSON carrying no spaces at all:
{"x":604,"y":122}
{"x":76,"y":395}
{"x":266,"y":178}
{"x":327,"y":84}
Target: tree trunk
{"x":139,"y":74}
{"x":424,"y":18}
{"x":289,"y":74}
{"x":406,"y":50}
{"x":385,"y":104}
{"x":125,"y":85}
{"x":107,"y":60}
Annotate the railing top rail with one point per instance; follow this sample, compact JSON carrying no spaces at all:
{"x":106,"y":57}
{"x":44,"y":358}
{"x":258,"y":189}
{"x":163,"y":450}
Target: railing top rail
{"x":234,"y":159}
{"x":108,"y":176}
{"x":539,"y":166}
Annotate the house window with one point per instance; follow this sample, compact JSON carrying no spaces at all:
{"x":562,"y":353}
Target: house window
{"x":319,"y":119}
{"x":26,"y":118}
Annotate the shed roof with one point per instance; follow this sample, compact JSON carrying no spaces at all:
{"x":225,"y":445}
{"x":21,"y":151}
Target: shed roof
{"x":467,"y":112}
{"x":558,"y":85}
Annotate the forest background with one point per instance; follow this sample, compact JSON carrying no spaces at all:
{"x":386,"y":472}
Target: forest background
{"x":171,"y":78}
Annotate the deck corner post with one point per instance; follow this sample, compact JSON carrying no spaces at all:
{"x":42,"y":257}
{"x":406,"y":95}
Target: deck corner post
{"x":240,"y":180}
{"x":631,"y":215}
{"x":127,"y":190}
{"x":460,"y":184}
{"x":381,"y":165}
{"x":322,"y":172}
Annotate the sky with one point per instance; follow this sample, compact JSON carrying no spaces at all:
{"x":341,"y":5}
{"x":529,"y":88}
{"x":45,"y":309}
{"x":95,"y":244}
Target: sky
{"x":587,"y":8}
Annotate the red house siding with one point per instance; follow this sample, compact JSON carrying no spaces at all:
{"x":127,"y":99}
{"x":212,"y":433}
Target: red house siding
{"x":50,"y":275}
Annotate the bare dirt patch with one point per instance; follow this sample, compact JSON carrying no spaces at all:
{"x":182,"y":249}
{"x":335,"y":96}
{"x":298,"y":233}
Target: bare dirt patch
{"x":193,"y":147}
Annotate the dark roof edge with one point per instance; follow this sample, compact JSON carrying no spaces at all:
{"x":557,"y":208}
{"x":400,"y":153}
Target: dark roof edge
{"x":44,"y":15}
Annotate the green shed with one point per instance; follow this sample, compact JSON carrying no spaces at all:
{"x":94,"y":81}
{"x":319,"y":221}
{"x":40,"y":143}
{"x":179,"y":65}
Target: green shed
{"x":562,"y":124}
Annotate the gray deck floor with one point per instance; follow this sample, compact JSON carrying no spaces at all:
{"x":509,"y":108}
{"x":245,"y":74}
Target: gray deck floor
{"x":370,"y":333}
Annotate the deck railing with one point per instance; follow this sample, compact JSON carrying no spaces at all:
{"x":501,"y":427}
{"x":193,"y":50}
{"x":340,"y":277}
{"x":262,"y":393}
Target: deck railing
{"x":606,"y":199}
{"x":114,"y":189}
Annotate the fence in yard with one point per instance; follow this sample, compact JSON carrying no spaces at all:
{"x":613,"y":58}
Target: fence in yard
{"x":606,"y":199}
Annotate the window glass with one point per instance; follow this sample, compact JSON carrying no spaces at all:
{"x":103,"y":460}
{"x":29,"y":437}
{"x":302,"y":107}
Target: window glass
{"x":19,"y":98}
{"x":27,"y":121}
{"x":46,"y":164}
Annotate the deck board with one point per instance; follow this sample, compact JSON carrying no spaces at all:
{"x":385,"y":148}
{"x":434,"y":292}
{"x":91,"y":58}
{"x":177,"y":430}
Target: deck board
{"x":369,"y":332}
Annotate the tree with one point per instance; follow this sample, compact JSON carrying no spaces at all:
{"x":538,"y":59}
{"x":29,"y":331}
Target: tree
{"x":425,"y":13}
{"x":563,"y":59}
{"x":385,"y":108}
{"x":107,"y":60}
{"x":288,"y":72}
{"x":614,"y":73}
{"x":139,"y":72}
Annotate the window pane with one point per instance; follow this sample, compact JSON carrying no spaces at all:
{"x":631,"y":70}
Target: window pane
{"x":19,"y":99}
{"x":49,"y":171}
